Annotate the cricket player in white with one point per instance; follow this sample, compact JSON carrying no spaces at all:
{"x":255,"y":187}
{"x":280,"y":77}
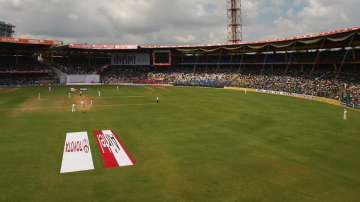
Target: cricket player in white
{"x":73,"y":108}
{"x":345,"y":114}
{"x":99,"y":93}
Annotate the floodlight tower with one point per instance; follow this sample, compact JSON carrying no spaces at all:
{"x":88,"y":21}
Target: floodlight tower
{"x":234,"y":21}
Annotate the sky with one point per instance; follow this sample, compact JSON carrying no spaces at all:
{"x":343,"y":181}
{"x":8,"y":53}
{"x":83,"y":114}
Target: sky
{"x":172,"y":22}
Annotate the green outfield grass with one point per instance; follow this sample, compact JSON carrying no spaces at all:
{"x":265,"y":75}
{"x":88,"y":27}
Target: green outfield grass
{"x":196,"y":145}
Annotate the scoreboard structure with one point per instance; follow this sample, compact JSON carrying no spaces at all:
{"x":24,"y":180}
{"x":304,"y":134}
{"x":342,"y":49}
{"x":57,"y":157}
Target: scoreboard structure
{"x":162,"y":58}
{"x":157,"y":58}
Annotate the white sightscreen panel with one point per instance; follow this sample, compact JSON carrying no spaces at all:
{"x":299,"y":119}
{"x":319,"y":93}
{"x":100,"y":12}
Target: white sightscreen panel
{"x":88,"y":78}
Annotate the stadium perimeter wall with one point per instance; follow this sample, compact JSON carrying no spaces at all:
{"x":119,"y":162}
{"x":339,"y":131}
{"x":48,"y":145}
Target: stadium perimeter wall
{"x":301,"y":96}
{"x":139,"y":84}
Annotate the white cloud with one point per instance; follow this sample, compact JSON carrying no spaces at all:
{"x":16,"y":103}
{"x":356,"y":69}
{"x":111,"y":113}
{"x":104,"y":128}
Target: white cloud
{"x":185,"y":39}
{"x":73,"y":16}
{"x":172,"y":21}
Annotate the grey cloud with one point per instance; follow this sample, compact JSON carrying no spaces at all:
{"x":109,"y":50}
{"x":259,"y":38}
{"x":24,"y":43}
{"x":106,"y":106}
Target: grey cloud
{"x":171,"y":21}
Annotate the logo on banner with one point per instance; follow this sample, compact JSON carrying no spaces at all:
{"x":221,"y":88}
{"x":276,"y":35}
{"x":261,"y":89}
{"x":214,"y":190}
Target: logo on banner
{"x":78,"y":146}
{"x":77,"y":154}
{"x":113,"y":152}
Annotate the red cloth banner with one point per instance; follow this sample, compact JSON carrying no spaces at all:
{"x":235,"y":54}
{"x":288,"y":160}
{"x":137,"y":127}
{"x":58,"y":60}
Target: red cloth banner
{"x":113,"y":152}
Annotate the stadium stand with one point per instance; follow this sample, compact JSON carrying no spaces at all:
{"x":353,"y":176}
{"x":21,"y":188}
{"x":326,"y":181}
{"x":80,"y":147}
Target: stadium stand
{"x":24,"y":71}
{"x":21,"y":62}
{"x":80,"y":64}
{"x":325,"y":64}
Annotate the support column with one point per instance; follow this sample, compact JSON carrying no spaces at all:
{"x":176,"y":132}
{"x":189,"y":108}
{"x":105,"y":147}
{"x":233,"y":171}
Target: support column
{"x":264,"y":63}
{"x":16,"y":59}
{"x":302,"y":68}
{"x":350,"y":44}
{"x":241,"y":62}
{"x":290,"y":61}
{"x":335,"y":68}
{"x":196,"y":63}
{"x":316,"y":61}
{"x":218,"y":62}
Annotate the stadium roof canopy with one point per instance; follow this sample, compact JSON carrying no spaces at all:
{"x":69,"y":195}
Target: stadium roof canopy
{"x":100,"y":47}
{"x":12,"y":45}
{"x":336,"y":39}
{"x":83,"y":49}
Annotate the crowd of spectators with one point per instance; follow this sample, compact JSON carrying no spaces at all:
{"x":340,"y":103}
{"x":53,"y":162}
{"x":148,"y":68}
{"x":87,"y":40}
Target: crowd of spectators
{"x":24,"y":71}
{"x":80,"y":64}
{"x":322,"y":82}
{"x":25,"y":80}
{"x":193,"y":78}
{"x":125,"y":75}
{"x":344,"y":86}
{"x":78,"y":69}
{"x":300,"y":85}
{"x":21,"y":64}
{"x":177,"y":77}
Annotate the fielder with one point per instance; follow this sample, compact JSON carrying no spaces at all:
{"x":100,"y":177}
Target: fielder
{"x":73,"y":108}
{"x":345,"y":114}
